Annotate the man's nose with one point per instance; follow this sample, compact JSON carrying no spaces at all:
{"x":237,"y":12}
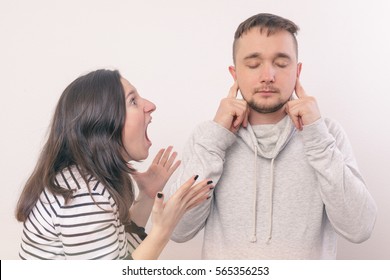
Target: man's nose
{"x":267,"y":73}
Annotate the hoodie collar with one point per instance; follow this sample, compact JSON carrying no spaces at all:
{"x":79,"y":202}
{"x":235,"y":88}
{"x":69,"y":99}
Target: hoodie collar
{"x":270,"y":139}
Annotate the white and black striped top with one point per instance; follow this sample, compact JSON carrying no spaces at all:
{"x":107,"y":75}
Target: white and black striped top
{"x":87,"y":227}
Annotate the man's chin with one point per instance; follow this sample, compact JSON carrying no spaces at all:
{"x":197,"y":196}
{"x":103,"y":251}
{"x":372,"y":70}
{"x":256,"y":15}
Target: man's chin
{"x":266,"y":109}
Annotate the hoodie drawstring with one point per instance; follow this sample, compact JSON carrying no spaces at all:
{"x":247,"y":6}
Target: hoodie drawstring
{"x":270,"y":222}
{"x":254,"y":238}
{"x":271,"y":204}
{"x":271,"y":208}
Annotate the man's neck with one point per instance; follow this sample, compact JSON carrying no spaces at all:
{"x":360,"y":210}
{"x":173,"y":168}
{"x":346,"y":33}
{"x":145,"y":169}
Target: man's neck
{"x":256,"y":118}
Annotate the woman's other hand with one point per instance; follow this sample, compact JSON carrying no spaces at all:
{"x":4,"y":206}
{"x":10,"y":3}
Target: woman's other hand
{"x":165,"y":216}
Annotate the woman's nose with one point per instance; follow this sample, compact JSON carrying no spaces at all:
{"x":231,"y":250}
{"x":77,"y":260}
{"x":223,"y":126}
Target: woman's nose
{"x":149,"y":106}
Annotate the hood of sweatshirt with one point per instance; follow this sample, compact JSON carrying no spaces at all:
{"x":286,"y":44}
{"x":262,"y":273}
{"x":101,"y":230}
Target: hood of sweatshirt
{"x":266,"y":141}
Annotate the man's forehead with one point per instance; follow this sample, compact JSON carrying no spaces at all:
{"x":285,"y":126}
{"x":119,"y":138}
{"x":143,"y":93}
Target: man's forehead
{"x":254,"y":40}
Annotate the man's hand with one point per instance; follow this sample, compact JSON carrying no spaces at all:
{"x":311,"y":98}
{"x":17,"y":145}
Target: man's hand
{"x":232,"y":112}
{"x":304,"y":110}
{"x":154,"y":179}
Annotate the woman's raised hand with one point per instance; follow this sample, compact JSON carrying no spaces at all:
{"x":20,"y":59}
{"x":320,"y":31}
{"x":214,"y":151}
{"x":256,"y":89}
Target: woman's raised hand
{"x":154,"y":179}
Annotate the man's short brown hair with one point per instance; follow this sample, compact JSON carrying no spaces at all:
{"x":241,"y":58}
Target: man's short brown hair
{"x":266,"y":22}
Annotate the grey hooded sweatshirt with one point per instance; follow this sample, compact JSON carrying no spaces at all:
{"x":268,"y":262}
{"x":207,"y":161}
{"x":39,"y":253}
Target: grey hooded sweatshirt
{"x":279,"y":193}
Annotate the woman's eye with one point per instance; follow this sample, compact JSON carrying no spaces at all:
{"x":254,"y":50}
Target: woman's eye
{"x":253,"y":66}
{"x":133,"y":101}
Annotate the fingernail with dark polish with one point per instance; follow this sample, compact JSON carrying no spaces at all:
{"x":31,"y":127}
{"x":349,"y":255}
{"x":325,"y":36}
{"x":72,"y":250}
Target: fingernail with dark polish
{"x":211,"y":188}
{"x":209,"y":182}
{"x":209,"y":197}
{"x":159,"y":195}
{"x":196,"y":177}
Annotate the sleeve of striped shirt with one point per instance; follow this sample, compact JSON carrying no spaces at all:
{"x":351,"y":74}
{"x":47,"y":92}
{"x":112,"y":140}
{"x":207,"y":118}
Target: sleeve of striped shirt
{"x":135,"y":235}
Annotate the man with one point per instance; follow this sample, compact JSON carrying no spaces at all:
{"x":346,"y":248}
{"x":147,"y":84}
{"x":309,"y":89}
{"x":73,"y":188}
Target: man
{"x":286,"y":181}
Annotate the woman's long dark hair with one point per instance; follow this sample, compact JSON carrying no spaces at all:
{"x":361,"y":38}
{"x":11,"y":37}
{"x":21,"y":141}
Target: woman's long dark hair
{"x":86,"y":131}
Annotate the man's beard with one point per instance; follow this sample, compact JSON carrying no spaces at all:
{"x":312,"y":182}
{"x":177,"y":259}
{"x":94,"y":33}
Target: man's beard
{"x":266,"y":109}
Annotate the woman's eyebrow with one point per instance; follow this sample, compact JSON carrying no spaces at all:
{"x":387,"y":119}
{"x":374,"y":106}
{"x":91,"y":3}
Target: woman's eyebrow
{"x":131,"y":92}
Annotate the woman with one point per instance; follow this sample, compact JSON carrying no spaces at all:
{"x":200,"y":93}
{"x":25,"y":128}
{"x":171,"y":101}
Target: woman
{"x":79,"y":201}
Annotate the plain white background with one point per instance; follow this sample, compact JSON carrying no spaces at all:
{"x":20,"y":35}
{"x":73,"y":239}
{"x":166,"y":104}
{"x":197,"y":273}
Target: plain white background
{"x":177,"y":54}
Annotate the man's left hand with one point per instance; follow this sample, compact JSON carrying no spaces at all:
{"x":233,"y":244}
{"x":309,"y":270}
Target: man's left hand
{"x":304,"y":110}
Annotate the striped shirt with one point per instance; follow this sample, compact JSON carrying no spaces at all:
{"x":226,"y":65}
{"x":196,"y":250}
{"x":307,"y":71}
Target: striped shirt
{"x":87,"y":227}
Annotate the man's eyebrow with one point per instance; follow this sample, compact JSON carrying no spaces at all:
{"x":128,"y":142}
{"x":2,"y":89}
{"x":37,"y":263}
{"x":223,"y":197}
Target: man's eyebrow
{"x":282,"y":55}
{"x":257,"y":55}
{"x":252,"y":55}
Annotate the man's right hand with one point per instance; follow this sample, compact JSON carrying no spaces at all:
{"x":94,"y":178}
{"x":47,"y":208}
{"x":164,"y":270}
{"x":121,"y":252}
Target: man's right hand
{"x":232,"y":112}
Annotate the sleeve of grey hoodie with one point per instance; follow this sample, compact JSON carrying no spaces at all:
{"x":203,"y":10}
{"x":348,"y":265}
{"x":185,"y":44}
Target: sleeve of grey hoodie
{"x":203,"y":155}
{"x":349,"y":206}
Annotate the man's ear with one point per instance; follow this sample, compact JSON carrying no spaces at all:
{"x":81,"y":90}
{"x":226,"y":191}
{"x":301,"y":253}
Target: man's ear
{"x":232,"y":71}
{"x":299,"y":69}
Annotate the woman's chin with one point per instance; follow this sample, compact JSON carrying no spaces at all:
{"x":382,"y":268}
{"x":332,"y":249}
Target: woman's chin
{"x":138,"y":156}
{"x":143,"y":154}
